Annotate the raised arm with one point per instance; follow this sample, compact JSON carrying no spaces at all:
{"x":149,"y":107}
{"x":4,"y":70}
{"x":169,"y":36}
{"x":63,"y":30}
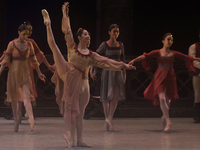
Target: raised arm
{"x":66,"y":28}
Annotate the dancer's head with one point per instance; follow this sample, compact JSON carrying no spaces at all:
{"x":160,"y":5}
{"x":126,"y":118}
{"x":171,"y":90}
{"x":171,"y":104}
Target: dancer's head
{"x":113,"y":31}
{"x":83,"y":36}
{"x":167,"y":40}
{"x":23,"y":32}
{"x":29,"y":27}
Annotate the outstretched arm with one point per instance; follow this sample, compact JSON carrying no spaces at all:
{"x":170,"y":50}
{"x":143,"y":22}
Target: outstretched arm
{"x":113,"y":64}
{"x":139,"y":58}
{"x":66,"y":28}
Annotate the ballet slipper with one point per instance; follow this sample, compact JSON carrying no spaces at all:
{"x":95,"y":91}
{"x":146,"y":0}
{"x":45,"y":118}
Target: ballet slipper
{"x":111,"y":127}
{"x":168,"y":125}
{"x":163,"y":121}
{"x":83,"y":144}
{"x":68,"y":139}
{"x":31,"y":121}
{"x":46,"y":18}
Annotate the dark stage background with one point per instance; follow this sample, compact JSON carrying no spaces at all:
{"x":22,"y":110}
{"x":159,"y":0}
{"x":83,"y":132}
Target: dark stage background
{"x":142,"y":25}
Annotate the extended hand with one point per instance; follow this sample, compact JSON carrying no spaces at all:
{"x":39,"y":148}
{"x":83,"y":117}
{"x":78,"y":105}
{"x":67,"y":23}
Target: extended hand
{"x":51,"y":68}
{"x":131,"y":62}
{"x":92,"y":75}
{"x":129,"y":67}
{"x":42,"y":77}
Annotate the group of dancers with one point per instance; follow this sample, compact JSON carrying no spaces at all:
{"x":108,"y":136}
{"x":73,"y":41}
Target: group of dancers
{"x":71,"y":77}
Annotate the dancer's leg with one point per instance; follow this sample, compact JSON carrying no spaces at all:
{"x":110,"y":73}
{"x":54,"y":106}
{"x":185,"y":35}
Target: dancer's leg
{"x":15,"y":109}
{"x":163,"y":119}
{"x":58,"y":57}
{"x":113,"y":106}
{"x":67,"y":120}
{"x":27,"y":105}
{"x":83,"y":101}
{"x":196,"y":86}
{"x":165,"y":109}
{"x":106,"y":107}
{"x":73,"y":130}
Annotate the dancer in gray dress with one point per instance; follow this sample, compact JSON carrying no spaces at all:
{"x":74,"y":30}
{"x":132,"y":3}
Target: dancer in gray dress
{"x":112,"y":82}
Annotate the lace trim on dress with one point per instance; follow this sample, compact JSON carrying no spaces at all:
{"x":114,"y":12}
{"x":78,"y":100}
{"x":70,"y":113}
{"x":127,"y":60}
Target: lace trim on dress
{"x":82,"y":55}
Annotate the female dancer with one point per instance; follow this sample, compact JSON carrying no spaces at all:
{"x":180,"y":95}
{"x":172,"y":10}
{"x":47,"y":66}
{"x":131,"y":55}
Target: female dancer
{"x":40,"y":58}
{"x":163,"y":89}
{"x":20,"y":52}
{"x":112,"y":82}
{"x":74,"y":75}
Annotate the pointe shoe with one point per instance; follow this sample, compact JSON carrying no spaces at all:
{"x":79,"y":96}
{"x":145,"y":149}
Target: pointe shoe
{"x":46,"y":18}
{"x":168,"y":125}
{"x":31,"y":121}
{"x":83,"y":144}
{"x":111,"y":127}
{"x":163,"y":121}
{"x":68,"y":139}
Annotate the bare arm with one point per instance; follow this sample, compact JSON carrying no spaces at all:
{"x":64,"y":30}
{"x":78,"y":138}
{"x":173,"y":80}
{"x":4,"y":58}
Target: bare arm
{"x":139,"y":58}
{"x":66,"y":28}
{"x":113,"y":64}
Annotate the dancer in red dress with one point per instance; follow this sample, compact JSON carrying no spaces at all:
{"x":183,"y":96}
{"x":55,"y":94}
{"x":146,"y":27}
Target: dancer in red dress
{"x":163,"y":89}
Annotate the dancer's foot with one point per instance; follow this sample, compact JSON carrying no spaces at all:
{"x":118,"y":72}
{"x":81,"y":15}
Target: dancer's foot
{"x":46,"y":18}
{"x":107,"y":126}
{"x":26,"y":115}
{"x":163,"y":121}
{"x":83,"y":144}
{"x":168,"y":125}
{"x":111,"y":127}
{"x":31,"y":121}
{"x":16,"y":125}
{"x":68,"y":139}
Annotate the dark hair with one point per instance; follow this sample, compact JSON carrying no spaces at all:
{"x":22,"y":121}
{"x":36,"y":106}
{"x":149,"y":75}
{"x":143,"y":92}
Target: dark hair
{"x":112,"y":26}
{"x":80,"y":32}
{"x":165,"y":35}
{"x":23,"y":27}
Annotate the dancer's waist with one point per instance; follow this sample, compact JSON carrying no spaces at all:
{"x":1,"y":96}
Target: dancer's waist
{"x":165,"y":65}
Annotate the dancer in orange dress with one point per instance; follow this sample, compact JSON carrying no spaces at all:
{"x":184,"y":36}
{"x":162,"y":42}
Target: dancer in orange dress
{"x":72,"y":90}
{"x":20,"y":52}
{"x":163,"y":88}
{"x":40,"y":58}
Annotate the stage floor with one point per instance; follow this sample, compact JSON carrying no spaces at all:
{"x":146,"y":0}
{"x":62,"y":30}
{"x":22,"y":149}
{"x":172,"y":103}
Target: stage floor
{"x":130,"y":134}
